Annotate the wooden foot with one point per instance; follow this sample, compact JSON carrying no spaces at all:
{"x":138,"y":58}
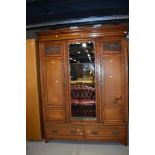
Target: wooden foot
{"x":124,"y":141}
{"x":46,"y":141}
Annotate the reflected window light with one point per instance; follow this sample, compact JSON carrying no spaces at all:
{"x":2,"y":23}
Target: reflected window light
{"x":97,"y":25}
{"x":88,"y":55}
{"x":74,"y":60}
{"x":71,"y":59}
{"x":84,"y":44}
{"x":79,"y":52}
{"x":86,"y":51}
{"x":73,"y":27}
{"x":93,"y":35}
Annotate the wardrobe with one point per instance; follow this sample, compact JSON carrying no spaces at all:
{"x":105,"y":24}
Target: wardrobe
{"x":84,"y":83}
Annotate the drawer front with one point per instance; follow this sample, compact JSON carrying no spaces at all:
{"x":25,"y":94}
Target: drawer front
{"x":64,"y":131}
{"x":84,"y":132}
{"x":104,"y":132}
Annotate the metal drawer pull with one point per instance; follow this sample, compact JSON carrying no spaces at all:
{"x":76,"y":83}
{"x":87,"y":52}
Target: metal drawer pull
{"x":54,"y":131}
{"x":94,"y":132}
{"x":116,"y":133}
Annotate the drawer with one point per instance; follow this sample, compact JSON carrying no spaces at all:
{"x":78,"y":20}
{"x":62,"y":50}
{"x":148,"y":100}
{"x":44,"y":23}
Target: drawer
{"x":104,"y":132}
{"x":64,"y":131}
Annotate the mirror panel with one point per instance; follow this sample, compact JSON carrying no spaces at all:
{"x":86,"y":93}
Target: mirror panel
{"x":82,"y":80}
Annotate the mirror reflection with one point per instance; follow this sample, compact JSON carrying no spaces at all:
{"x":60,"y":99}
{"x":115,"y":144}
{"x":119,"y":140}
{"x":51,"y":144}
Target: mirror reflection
{"x":82,"y":80}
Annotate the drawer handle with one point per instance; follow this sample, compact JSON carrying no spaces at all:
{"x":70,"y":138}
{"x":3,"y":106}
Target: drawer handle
{"x":116,"y":133}
{"x":94,"y":132}
{"x":54,"y":131}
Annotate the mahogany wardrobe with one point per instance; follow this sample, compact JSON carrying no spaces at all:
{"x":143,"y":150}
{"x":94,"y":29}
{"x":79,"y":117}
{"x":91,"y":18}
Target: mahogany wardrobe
{"x":84,"y":83}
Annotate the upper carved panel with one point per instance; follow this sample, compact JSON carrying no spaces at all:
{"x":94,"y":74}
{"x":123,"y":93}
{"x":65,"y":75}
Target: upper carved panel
{"x":114,"y":46}
{"x":53,"y":49}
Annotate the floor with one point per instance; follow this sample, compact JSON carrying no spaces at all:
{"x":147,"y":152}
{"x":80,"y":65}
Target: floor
{"x":75,"y":148}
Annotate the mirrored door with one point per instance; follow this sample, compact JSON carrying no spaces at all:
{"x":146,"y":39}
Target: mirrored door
{"x":82,"y":80}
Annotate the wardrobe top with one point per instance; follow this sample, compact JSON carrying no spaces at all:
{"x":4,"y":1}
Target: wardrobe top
{"x":84,"y":32}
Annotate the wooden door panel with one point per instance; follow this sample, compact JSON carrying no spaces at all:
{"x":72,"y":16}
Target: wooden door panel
{"x":112,"y":65}
{"x":112,"y":77}
{"x":57,"y":114}
{"x":113,"y":114}
{"x":54,"y":81}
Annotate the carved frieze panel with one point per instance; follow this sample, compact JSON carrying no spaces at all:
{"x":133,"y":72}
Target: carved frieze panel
{"x":114,"y":46}
{"x":53,"y":49}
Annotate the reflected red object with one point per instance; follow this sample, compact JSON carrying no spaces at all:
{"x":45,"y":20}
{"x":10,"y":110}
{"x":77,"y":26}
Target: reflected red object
{"x":83,"y":101}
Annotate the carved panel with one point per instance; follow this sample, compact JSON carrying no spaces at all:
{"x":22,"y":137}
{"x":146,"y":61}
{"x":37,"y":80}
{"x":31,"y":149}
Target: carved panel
{"x":112,"y":46}
{"x":53,"y":49}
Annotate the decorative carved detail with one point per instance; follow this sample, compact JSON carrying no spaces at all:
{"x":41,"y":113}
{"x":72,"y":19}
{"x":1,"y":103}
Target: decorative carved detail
{"x":53,"y":49}
{"x":112,"y":46}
